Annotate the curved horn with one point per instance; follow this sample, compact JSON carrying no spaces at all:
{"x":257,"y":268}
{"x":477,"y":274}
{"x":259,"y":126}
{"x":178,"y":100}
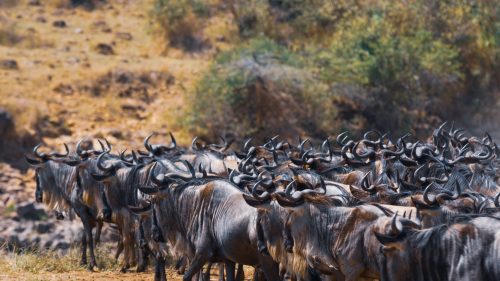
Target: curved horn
{"x":396,"y":227}
{"x":35,"y":151}
{"x":448,"y":196}
{"x":55,"y":154}
{"x":159,"y":180}
{"x":341,"y":138}
{"x":246,"y":146}
{"x":124,"y":158}
{"x":146,"y":143}
{"x":173,"y":142}
{"x":79,"y":148}
{"x":108,"y":169}
{"x":497,"y":200}
{"x":264,"y":196}
{"x":426,"y":196}
{"x":138,"y":210}
{"x":365,"y":184}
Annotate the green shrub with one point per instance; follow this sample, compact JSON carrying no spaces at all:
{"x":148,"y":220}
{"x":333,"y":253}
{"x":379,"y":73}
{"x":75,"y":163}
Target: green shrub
{"x":181,"y":21}
{"x":258,"y":89}
{"x":393,"y":65}
{"x":385,"y":64}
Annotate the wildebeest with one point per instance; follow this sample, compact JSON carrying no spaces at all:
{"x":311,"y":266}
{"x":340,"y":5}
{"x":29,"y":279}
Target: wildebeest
{"x":291,"y":211}
{"x":58,"y":185}
{"x":468,"y":249}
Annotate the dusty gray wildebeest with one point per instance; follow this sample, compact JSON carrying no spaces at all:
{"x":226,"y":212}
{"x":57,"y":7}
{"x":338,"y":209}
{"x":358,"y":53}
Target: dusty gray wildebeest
{"x":58,"y":185}
{"x":467,"y":248}
{"x":209,"y":218}
{"x":310,"y":233}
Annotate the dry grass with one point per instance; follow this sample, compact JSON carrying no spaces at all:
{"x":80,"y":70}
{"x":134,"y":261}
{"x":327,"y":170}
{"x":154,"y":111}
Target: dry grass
{"x":43,"y":261}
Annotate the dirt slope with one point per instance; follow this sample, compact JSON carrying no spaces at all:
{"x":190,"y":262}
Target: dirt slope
{"x":80,"y":71}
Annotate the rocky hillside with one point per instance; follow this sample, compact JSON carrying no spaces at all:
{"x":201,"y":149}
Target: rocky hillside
{"x":68,"y":73}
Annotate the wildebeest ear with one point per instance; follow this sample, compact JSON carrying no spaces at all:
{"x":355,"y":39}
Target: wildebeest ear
{"x":420,"y":205}
{"x":72,"y":162}
{"x":103,"y":177}
{"x":150,"y":190}
{"x":387,"y":249}
{"x":385,"y":239}
{"x":32,"y":161}
{"x":139,"y":210}
{"x":252,"y":201}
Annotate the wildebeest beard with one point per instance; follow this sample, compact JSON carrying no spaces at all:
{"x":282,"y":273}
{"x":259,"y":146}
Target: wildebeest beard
{"x":55,"y":183}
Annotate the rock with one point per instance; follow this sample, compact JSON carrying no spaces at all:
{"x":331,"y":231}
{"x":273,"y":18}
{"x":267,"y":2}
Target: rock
{"x":124,"y":36}
{"x":9,"y":64}
{"x":170,"y":80}
{"x":61,"y":245}
{"x":59,"y":24}
{"x":44,"y":227}
{"x":34,"y":3}
{"x":123,"y":77}
{"x":104,"y":49}
{"x":41,"y":19}
{"x":116,"y":133}
{"x":19,"y":229}
{"x":64,"y":89}
{"x":27,"y":210}
{"x":132,"y":107}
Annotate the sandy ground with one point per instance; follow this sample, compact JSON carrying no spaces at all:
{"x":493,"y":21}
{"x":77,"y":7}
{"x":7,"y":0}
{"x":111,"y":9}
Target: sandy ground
{"x":79,"y":275}
{"x":103,"y":276}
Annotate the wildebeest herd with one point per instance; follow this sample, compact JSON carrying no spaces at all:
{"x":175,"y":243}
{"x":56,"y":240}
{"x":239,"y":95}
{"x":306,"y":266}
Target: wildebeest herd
{"x":346,"y":209}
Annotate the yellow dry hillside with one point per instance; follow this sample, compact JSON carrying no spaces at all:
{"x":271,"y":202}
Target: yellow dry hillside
{"x":57,"y":65}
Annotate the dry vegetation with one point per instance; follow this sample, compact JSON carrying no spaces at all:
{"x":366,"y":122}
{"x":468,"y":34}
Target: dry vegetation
{"x":66,"y":89}
{"x":122,"y":69}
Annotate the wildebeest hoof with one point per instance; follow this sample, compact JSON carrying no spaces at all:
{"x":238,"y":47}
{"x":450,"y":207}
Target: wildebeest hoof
{"x":141,"y":268}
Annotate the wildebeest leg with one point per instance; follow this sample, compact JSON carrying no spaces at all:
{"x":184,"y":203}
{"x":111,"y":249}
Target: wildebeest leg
{"x":287,"y":236}
{"x":180,"y":265}
{"x":88,"y":232}
{"x":196,"y":265}
{"x":258,"y":275}
{"x":261,"y":243}
{"x":143,"y":249}
{"x":240,"y":273}
{"x":98,"y":232}
{"x":270,"y":268}
{"x":206,"y":274}
{"x":229,"y":270}
{"x":221,"y":272}
{"x":143,"y":260}
{"x":119,"y":249}
{"x":106,"y":212}
{"x":84,"y":250}
{"x":313,"y":274}
{"x":126,"y":257}
{"x":160,"y":268}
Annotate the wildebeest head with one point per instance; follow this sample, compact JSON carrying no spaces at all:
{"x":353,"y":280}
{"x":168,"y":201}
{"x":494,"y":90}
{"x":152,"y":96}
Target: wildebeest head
{"x":392,"y":235}
{"x":52,"y":177}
